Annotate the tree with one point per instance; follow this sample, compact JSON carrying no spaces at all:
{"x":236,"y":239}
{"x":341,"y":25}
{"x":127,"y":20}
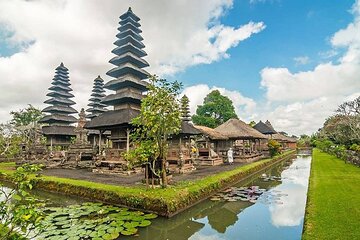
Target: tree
{"x":26,"y":116}
{"x":215,"y":110}
{"x":185,"y":108}
{"x":159,"y":118}
{"x":10,"y":139}
{"x":19,"y":211}
{"x":343,"y":127}
{"x":252,"y":123}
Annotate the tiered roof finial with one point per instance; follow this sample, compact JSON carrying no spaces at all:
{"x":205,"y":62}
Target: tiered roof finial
{"x":98,"y":93}
{"x":60,"y":101}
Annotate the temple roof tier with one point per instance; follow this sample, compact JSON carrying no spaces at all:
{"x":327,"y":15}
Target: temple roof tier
{"x":130,"y":58}
{"x":131,"y":26}
{"x":129,"y":32}
{"x":59,"y":109}
{"x":112,"y":118}
{"x":126,"y":81}
{"x":128,"y":68}
{"x":58,"y":130}
{"x":58,"y":118}
{"x":60,"y":94}
{"x":129,"y":39}
{"x":60,"y":88}
{"x":60,"y":100}
{"x":123,"y":97}
{"x":129,"y":48}
{"x":131,"y":20}
{"x":129,"y":13}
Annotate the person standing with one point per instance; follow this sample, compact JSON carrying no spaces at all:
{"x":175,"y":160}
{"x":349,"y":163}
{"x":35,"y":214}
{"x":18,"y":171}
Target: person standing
{"x":230,"y":155}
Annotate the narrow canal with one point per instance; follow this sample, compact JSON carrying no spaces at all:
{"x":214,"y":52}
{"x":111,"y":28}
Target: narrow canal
{"x":276,"y":211}
{"x":277,"y":214}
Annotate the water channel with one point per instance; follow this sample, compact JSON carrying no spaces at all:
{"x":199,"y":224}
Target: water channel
{"x":278,"y":213}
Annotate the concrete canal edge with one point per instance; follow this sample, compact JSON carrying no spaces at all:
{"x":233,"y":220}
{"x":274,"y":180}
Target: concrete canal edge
{"x":165,"y":202}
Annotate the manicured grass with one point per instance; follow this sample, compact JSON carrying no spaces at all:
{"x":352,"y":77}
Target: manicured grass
{"x":333,"y":207}
{"x":164,"y":201}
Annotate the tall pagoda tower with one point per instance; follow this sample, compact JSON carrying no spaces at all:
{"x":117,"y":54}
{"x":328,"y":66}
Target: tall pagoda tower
{"x":128,"y":82}
{"x":185,"y":108}
{"x":97,"y":94}
{"x":58,"y":120}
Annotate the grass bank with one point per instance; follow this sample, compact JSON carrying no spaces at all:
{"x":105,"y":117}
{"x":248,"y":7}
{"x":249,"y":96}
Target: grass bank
{"x":333,"y":205}
{"x":165,"y":202}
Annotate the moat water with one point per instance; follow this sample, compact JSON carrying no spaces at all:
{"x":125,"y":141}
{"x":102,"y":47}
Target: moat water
{"x":277,"y":214}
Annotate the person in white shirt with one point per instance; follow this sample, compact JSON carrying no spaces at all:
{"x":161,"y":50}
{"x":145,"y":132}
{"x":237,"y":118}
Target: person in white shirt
{"x":230,"y":156}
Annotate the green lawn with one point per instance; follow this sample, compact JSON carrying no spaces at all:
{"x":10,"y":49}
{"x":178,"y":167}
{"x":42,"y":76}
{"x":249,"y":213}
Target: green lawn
{"x":333,"y":207}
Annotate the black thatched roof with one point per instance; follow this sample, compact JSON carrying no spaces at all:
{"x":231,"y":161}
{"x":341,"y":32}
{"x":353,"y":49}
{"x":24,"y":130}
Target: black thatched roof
{"x":58,"y":130}
{"x":188,"y":129}
{"x":112,"y":119}
{"x":264,"y":128}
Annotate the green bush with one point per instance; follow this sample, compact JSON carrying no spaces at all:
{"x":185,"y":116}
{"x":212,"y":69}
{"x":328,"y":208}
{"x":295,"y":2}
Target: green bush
{"x":274,"y":147}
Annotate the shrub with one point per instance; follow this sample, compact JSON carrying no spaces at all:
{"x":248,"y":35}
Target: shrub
{"x":274,"y":147}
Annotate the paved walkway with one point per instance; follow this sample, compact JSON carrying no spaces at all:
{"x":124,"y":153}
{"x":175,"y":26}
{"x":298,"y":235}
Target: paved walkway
{"x":84,"y":174}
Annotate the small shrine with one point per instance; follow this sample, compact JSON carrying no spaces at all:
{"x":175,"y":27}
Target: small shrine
{"x":81,"y":149}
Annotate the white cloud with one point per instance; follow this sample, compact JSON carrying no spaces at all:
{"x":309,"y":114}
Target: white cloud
{"x":299,"y":102}
{"x":177,"y":34}
{"x":303,"y":60}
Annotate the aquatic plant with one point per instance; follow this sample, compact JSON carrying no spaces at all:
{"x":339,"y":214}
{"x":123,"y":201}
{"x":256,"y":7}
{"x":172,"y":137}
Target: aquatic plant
{"x":92,"y":221}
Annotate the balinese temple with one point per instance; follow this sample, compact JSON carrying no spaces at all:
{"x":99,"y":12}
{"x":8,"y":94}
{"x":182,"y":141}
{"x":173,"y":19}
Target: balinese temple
{"x":97,"y":95}
{"x":95,"y":109}
{"x":127,"y":83}
{"x":58,"y":130}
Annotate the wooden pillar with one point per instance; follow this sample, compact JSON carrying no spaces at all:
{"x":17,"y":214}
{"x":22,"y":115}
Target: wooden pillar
{"x":100,"y":133}
{"x":127,"y":140}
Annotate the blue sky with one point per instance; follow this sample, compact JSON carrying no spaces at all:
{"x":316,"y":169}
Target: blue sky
{"x":293,"y":29}
{"x":291,"y":62}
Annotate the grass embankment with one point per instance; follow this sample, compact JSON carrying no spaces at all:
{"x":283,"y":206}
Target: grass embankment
{"x":165,"y":201}
{"x":333,"y":206}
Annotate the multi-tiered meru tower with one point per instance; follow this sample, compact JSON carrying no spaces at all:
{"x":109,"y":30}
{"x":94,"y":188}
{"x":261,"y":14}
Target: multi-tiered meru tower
{"x":128,"y":82}
{"x":97,"y":95}
{"x":58,"y":131}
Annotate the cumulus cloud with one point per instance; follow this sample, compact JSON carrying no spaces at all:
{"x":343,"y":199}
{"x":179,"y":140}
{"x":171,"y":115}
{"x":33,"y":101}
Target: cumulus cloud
{"x":177,"y":34}
{"x":300,"y":101}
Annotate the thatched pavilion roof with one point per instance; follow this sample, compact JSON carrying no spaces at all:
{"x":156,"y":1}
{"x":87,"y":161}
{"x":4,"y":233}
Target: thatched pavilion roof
{"x":211,"y":133}
{"x":188,"y":129}
{"x":282,"y":138}
{"x":237,"y":129}
{"x":264,"y":128}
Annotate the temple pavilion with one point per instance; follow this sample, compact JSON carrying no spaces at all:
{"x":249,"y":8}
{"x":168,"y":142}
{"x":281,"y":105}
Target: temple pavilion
{"x":268,"y":130}
{"x":244,"y":139}
{"x":128,"y":75}
{"x":58,"y":129}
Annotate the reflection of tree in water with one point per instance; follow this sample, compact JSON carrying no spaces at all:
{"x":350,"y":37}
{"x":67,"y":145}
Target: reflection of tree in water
{"x":220,"y":215}
{"x":226,"y":215}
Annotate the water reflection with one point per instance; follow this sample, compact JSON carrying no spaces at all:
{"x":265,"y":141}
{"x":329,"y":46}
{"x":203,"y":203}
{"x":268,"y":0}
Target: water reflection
{"x":276,"y":215}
